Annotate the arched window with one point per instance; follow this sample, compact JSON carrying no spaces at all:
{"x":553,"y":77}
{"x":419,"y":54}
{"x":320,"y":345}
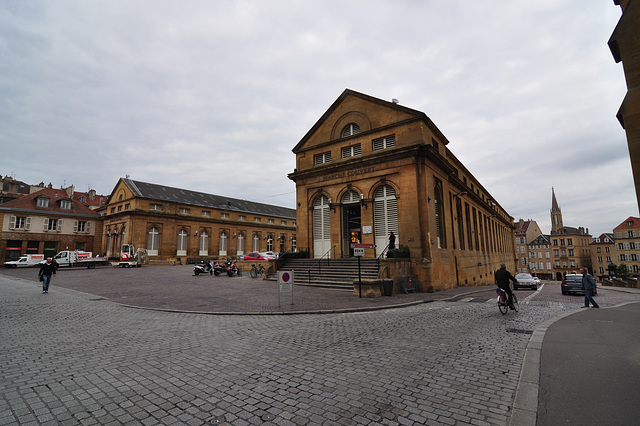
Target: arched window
{"x":223,"y":244}
{"x":182,"y":243}
{"x":282,"y":242}
{"x":385,"y":216}
{"x":256,"y":242}
{"x":240,"y":244}
{"x":350,"y":197}
{"x":153,"y":241}
{"x":321,"y":226}
{"x":204,"y":244}
{"x":270,"y":243}
{"x":350,"y":130}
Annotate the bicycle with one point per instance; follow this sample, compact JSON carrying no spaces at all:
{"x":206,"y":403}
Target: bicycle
{"x":503,"y":301}
{"x":256,"y":270}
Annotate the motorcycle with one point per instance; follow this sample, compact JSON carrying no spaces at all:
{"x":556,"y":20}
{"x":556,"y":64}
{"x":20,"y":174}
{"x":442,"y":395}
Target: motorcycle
{"x":203,"y":268}
{"x":232,"y":269}
{"x":219,"y":268}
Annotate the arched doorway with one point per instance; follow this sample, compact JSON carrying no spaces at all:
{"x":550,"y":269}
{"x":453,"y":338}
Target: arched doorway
{"x":321,"y":226}
{"x":351,"y":222}
{"x":385,"y":216}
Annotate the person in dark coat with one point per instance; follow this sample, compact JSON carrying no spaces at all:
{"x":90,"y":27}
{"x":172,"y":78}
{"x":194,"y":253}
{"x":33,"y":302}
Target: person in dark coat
{"x":392,"y":240}
{"x":47,"y":269}
{"x":589,"y":283}
{"x":503,"y":277}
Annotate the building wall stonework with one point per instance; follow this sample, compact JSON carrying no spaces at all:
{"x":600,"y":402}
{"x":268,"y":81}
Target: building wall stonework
{"x":456,"y":233}
{"x":130,"y":218}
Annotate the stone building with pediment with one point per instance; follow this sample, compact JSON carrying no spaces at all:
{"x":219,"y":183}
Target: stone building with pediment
{"x":369,"y":167}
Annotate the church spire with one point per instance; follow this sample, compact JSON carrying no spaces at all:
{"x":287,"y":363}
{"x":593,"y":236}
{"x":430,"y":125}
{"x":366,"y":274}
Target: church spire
{"x":556,"y":214}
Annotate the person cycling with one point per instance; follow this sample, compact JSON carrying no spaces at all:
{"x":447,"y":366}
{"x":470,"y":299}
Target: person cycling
{"x":502,"y":277}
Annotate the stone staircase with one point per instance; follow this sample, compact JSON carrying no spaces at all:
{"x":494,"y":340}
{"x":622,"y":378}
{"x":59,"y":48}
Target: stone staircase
{"x":331,"y":273}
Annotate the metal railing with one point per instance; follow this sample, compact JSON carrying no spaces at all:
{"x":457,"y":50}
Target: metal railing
{"x":386,"y":249}
{"x":319,"y":264}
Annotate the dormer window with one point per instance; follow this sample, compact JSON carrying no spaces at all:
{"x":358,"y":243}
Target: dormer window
{"x":629,"y":223}
{"x":65,"y":204}
{"x":42,"y":202}
{"x":350,"y":130}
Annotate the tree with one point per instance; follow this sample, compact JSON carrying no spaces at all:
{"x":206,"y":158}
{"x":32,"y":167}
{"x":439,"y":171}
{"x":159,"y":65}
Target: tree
{"x":622,"y":271}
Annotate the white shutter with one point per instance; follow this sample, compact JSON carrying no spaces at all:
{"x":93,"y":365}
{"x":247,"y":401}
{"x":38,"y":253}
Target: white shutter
{"x":27,"y":225}
{"x":385,"y":216}
{"x":87,"y":227}
{"x":46,"y":224}
{"x":321,"y":226}
{"x":75,"y":226}
{"x":12,"y":223}
{"x":59,"y":228}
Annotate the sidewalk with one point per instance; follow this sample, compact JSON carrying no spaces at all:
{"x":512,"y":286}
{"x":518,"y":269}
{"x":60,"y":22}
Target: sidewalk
{"x":582,"y":368}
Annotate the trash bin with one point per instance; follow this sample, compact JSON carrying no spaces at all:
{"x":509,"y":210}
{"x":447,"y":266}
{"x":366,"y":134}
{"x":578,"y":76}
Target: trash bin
{"x":387,"y":285}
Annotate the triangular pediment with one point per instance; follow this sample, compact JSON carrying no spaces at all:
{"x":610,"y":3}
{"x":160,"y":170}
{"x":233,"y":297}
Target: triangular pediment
{"x":368,"y":113}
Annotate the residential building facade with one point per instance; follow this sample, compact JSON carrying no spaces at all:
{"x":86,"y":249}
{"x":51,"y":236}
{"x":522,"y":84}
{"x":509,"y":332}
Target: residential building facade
{"x":603,"y":254}
{"x":627,"y":240}
{"x":570,"y":246}
{"x":525,"y":232}
{"x":178,"y":225}
{"x":369,"y":167}
{"x":45,"y":222}
{"x":540,"y":262}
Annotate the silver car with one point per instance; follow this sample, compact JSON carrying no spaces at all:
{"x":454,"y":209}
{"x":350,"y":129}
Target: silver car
{"x":525,"y":280}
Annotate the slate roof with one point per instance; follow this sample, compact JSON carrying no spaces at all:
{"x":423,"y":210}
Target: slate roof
{"x":540,"y":239}
{"x":28,"y":204}
{"x":183,"y":196}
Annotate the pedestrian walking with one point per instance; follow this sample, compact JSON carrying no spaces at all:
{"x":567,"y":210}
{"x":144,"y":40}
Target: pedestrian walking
{"x":588,"y":283}
{"x":47,"y":269}
{"x":392,"y":240}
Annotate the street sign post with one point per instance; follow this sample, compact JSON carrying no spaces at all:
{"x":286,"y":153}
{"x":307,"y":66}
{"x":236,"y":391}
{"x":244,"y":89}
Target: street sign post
{"x":285,"y":284}
{"x":358,"y":251}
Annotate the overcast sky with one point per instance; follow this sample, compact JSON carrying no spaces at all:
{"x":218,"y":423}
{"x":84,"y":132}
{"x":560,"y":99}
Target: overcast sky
{"x":212,"y":96}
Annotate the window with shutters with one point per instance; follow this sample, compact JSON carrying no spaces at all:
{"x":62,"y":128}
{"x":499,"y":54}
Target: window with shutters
{"x":384,"y":143}
{"x":350,"y":130}
{"x":325,"y":157}
{"x":65,"y":204}
{"x":321,"y":226}
{"x":351,"y":151}
{"x":80,"y":226}
{"x":385,"y":216}
{"x":20,"y":222}
{"x":52,"y":224}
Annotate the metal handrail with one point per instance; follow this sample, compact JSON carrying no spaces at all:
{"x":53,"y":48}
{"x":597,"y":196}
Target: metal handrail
{"x":319,"y":264}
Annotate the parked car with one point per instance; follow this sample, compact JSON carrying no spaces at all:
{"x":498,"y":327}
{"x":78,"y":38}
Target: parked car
{"x":525,"y":280}
{"x":270,"y":254}
{"x":537,"y":280}
{"x":257,"y":256}
{"x":572,"y":283}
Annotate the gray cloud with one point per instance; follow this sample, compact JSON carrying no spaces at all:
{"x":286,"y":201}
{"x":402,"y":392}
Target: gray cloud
{"x":212,"y":96}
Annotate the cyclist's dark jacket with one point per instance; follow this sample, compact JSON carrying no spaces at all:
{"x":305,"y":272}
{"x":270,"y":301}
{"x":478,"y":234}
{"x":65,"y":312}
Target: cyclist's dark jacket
{"x":502,"y":277}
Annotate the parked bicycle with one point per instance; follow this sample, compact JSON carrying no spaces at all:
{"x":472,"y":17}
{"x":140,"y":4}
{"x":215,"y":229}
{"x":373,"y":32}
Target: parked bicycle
{"x":503,"y":301}
{"x":256,"y":271}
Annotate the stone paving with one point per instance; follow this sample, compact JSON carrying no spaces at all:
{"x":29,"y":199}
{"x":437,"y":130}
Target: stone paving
{"x":72,"y":358}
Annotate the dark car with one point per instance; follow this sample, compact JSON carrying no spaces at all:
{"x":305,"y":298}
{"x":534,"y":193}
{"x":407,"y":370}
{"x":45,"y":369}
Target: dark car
{"x":257,"y":256}
{"x":572,"y":283}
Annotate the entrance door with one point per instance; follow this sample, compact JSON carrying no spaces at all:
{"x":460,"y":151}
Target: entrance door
{"x":321,"y":227}
{"x":351,"y":222}
{"x":385,"y":216}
